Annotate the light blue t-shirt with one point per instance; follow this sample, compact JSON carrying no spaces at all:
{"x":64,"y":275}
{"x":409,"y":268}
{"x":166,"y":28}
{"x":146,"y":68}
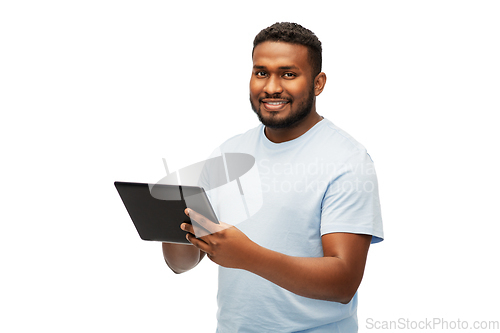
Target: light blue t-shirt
{"x":320,"y":183}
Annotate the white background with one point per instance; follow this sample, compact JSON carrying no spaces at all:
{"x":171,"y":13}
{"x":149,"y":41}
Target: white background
{"x":97,"y":91}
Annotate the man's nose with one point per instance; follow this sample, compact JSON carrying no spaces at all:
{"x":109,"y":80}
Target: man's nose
{"x":273,"y":85}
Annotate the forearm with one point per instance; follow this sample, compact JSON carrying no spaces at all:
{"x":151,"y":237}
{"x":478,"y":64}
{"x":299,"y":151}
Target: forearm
{"x":181,"y":257}
{"x":334,"y":277}
{"x":325,"y":278}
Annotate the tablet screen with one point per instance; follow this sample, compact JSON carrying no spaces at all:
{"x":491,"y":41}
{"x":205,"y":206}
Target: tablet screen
{"x":157,"y":210}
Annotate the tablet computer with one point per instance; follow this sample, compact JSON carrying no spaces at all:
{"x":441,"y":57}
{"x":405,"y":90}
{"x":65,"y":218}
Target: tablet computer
{"x":157,"y":210}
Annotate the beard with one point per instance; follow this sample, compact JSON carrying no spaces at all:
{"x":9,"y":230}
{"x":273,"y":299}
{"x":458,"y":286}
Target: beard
{"x":293,"y":119}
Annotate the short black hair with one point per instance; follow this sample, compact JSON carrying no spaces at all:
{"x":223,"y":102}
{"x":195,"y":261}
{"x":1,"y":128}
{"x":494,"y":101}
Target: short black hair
{"x":293,"y":33}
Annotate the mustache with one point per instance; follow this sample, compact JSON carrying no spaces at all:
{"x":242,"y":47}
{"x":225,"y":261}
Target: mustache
{"x":275,"y":96}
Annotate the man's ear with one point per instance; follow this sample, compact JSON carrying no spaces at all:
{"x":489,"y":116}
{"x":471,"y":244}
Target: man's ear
{"x":319,"y":83}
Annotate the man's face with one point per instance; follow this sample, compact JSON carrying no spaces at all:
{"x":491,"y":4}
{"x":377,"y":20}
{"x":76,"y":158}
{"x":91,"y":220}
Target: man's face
{"x":281,"y":87}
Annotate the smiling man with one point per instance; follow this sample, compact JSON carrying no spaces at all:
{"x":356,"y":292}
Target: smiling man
{"x":295,"y":265}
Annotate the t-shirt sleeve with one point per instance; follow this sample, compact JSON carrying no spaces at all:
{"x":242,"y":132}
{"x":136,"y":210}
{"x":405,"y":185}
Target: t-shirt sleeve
{"x":351,"y":203}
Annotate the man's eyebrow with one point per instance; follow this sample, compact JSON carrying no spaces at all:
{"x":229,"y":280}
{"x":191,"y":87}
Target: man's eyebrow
{"x":281,"y":67}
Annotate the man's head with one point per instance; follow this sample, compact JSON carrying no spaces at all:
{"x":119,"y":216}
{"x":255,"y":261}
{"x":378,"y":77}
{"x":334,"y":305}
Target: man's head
{"x":293,"y":33}
{"x":286,"y":76}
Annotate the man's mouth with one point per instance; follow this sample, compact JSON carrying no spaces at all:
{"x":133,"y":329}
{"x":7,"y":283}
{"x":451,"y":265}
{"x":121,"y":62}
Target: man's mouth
{"x":274,"y":105}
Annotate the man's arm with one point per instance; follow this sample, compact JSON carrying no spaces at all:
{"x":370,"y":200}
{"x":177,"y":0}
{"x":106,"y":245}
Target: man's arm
{"x":181,"y":257}
{"x":334,"y":277}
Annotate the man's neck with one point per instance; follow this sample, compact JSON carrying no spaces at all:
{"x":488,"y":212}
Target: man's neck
{"x":279,"y":135}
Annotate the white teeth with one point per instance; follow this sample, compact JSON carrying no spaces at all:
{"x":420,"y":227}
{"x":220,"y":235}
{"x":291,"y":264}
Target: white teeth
{"x":276,"y":103}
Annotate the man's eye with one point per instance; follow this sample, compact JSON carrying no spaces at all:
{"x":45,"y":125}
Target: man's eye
{"x":289,"y":75}
{"x":260,"y":74}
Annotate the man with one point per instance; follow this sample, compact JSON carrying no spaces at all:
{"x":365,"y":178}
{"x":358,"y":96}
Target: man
{"x":297,"y":263}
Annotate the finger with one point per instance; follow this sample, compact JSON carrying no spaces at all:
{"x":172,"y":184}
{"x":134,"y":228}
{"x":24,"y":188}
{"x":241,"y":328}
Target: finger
{"x":203,"y":226}
{"x":187,"y":227}
{"x":198,"y":243}
{"x":203,"y":222}
{"x":194,"y":230}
